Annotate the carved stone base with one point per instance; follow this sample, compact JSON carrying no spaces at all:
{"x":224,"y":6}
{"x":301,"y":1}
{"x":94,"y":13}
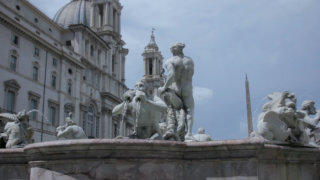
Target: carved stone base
{"x":147,"y":159}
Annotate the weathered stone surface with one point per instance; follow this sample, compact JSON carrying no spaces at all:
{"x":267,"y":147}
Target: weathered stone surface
{"x":147,"y":159}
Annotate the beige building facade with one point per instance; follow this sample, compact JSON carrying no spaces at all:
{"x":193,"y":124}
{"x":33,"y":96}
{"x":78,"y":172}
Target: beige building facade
{"x":73,"y":63}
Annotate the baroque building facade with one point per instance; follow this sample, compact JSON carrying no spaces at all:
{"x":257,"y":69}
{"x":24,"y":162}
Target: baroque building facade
{"x":74,"y":63}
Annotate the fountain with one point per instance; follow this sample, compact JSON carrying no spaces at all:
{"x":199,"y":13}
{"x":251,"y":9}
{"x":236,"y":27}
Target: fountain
{"x":279,"y":149}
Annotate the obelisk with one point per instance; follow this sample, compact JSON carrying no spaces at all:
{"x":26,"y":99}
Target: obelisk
{"x":249,"y":112}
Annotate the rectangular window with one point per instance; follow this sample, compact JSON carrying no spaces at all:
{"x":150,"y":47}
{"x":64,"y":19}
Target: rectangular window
{"x":36,"y":52}
{"x":91,"y":77}
{"x":150,"y":66}
{"x":84,"y":120}
{"x":53,"y":81}
{"x":86,"y":48}
{"x":54,"y":62}
{"x":97,"y":81}
{"x":99,"y":57}
{"x":97,"y":126}
{"x":91,"y":50}
{"x":52,"y":115}
{"x":35,"y":73}
{"x":33,"y":105}
{"x":84,"y":74}
{"x":15,"y":40}
{"x":113,"y":63}
{"x":13,"y":63}
{"x":69,"y":88}
{"x":10,"y":101}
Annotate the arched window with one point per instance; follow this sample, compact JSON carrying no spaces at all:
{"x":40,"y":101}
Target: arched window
{"x":150,"y":66}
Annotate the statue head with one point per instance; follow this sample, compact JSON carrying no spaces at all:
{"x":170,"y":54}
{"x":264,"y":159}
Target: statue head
{"x":140,"y":86}
{"x":308,"y":106}
{"x":128,"y":95}
{"x":201,"y":131}
{"x":177,"y":49}
{"x":69,"y":121}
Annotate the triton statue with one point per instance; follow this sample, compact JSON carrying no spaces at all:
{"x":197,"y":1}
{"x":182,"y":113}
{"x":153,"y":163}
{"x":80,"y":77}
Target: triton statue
{"x":17,"y":132}
{"x":70,"y":130}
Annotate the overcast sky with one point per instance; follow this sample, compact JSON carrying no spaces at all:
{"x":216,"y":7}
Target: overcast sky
{"x":276,"y":42}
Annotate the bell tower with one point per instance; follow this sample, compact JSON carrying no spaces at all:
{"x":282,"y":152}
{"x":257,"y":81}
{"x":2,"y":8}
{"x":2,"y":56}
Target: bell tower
{"x":153,"y":68}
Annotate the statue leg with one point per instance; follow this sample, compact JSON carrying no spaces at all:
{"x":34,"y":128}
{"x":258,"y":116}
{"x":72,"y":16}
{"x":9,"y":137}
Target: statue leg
{"x":189,"y":107}
{"x":181,"y":118}
{"x":171,"y":125}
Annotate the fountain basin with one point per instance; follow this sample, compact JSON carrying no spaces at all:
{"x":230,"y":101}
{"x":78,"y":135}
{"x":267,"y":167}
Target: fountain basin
{"x":149,"y":159}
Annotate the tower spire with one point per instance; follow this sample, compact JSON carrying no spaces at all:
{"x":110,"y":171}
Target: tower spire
{"x":249,"y":111}
{"x":152,"y":65}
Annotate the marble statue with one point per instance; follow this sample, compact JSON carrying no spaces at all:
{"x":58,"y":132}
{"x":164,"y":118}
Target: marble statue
{"x":280,"y":121}
{"x":178,"y":94}
{"x":17,"y":132}
{"x":146,"y":111}
{"x":308,"y":109}
{"x":202,"y":136}
{"x":70,"y":130}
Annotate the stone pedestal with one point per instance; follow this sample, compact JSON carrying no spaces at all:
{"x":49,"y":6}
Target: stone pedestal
{"x":145,"y":159}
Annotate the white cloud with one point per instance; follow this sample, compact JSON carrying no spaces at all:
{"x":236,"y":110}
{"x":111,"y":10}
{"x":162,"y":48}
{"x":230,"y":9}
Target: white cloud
{"x":202,"y":94}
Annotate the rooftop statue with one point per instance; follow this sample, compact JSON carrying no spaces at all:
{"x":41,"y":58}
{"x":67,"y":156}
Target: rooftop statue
{"x":178,"y":94}
{"x":70,"y":130}
{"x":17,"y":132}
{"x":308,"y":109}
{"x":280,"y":121}
{"x":145,"y":110}
{"x":202,"y":136}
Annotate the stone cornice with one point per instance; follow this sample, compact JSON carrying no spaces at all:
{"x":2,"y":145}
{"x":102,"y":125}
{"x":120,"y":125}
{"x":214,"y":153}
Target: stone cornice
{"x":86,"y":29}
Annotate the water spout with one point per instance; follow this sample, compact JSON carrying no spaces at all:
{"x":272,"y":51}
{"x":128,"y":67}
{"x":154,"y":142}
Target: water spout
{"x":35,"y":110}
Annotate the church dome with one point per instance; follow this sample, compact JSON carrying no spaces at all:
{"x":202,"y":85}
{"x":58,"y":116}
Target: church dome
{"x":75,"y":12}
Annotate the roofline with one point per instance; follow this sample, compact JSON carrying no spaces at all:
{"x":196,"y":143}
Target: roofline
{"x":40,"y":13}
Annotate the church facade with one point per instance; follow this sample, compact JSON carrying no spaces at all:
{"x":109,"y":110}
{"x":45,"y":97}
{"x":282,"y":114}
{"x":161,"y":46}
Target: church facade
{"x":73,"y":63}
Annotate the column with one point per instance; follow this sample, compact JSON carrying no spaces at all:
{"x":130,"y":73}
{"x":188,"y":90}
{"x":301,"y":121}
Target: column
{"x":96,"y":15}
{"x":105,"y":14}
{"x":123,"y":68}
{"x":111,"y":15}
{"x":115,"y":27}
{"x":92,"y":18}
{"x":119,"y":23}
{"x":155,"y":71}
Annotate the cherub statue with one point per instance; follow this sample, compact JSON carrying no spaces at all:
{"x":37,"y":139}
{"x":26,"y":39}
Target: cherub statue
{"x":17,"y":132}
{"x":280,"y":121}
{"x":70,"y":130}
{"x":202,"y":136}
{"x":145,"y":110}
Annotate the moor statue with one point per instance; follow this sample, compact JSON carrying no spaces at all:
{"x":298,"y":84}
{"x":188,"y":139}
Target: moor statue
{"x":178,"y":94}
